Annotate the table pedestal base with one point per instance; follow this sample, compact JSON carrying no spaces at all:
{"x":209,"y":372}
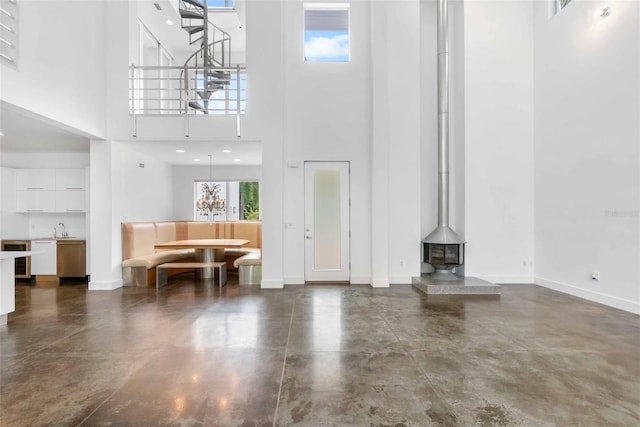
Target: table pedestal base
{"x":208,"y":255}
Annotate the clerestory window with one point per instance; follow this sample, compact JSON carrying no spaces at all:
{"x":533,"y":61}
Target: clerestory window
{"x":326,"y":32}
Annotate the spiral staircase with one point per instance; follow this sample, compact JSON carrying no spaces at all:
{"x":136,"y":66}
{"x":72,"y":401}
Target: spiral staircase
{"x":210,"y":60}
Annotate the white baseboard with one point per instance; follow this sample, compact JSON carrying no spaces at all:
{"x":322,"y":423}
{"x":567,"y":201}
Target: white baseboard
{"x":294,"y":280}
{"x":400,"y":280}
{"x":508,"y":279}
{"x":360,"y":280}
{"x":105,"y":286}
{"x":272,"y":284}
{"x":611,"y":301}
{"x":380,"y":283}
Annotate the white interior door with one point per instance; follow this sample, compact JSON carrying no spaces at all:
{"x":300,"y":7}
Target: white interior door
{"x":327,"y":227}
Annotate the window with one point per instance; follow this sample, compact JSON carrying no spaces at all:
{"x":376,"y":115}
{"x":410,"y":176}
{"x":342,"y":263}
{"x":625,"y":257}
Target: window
{"x":226,"y":200}
{"x":326,"y":32}
{"x":9,"y":31}
{"x":220,"y":3}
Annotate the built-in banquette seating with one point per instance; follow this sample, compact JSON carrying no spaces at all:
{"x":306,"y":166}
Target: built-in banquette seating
{"x":140,"y":258}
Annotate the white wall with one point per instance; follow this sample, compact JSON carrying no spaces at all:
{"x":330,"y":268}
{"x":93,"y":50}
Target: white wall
{"x":428,"y":122}
{"x":395,"y":58}
{"x":587,"y":105}
{"x":104,"y":245}
{"x":122,"y":191}
{"x":499,"y":140}
{"x":60,"y":73}
{"x":144,"y":193}
{"x":41,"y":224}
{"x":184,"y":177}
{"x":326,"y":118}
{"x":264,"y":122}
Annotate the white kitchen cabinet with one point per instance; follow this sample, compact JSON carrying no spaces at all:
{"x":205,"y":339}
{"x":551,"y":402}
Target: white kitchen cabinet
{"x":35,"y":179}
{"x":45,"y":263}
{"x":35,"y":201}
{"x":70,"y":179}
{"x":70,"y":201}
{"x":50,"y":190}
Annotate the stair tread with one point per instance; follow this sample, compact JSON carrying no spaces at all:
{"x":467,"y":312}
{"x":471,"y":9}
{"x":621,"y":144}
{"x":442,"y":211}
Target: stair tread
{"x":192,"y":29}
{"x":195,"y":105}
{"x":185,"y":13}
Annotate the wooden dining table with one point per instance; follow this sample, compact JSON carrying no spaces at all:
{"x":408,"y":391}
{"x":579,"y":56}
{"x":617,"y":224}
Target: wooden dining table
{"x":206,"y":250}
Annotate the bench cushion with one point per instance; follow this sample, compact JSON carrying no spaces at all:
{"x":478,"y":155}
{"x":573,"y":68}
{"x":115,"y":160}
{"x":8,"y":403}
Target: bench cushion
{"x":252,"y":258}
{"x":205,"y":230}
{"x":165,"y":232}
{"x":248,"y":230}
{"x":153,"y":260}
{"x":138,"y":239}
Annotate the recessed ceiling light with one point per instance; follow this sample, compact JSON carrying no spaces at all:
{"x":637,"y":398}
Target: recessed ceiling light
{"x":179,"y":151}
{"x":226,"y":151}
{"x":169,"y":22}
{"x":196,"y":160}
{"x":1,"y":134}
{"x":236,"y":160}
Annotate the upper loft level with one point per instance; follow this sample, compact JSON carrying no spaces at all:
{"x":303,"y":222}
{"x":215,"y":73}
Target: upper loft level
{"x":188,"y":58}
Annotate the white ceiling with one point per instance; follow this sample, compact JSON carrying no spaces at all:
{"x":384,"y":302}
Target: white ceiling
{"x":25,"y":133}
{"x":248,"y":152}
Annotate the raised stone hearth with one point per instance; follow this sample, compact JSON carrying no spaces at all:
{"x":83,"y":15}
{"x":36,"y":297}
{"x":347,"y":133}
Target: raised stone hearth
{"x":456,"y":285}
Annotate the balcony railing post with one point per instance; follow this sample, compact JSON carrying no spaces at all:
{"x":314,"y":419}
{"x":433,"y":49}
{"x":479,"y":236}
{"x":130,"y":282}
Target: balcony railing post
{"x":185,"y":95}
{"x":132,"y":87}
{"x":238,"y":130}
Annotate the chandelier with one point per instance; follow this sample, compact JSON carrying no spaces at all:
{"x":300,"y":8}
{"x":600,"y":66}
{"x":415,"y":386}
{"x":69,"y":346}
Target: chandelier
{"x":210,"y":203}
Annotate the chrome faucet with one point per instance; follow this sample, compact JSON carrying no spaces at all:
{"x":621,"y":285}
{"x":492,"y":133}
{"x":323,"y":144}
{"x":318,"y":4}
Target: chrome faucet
{"x":64,"y":230}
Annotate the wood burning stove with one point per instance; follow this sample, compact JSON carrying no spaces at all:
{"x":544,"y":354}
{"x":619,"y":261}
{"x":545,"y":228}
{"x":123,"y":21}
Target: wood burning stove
{"x":443,"y":248}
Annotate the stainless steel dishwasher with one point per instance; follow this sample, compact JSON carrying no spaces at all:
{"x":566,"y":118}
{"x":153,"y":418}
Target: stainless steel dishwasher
{"x":72,"y":258}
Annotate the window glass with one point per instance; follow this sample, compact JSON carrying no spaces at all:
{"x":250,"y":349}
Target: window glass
{"x":326,"y":32}
{"x":226,"y":201}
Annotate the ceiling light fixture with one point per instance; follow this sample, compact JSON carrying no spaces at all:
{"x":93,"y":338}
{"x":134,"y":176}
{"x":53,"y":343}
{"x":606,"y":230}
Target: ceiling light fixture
{"x":226,"y":151}
{"x":179,"y":151}
{"x":236,"y":160}
{"x":169,"y":22}
{"x":196,"y":160}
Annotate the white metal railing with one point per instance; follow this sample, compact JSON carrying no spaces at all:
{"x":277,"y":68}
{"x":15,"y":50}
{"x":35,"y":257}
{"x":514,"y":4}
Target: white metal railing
{"x":187,"y":90}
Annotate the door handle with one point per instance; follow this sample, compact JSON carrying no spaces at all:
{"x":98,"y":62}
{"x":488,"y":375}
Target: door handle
{"x":307,"y":237}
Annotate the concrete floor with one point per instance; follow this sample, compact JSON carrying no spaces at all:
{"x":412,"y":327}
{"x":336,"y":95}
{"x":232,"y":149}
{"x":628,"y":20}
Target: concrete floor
{"x":191,"y":354}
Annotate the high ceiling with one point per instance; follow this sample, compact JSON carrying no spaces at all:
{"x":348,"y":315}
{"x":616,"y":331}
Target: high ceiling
{"x":26,"y":133}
